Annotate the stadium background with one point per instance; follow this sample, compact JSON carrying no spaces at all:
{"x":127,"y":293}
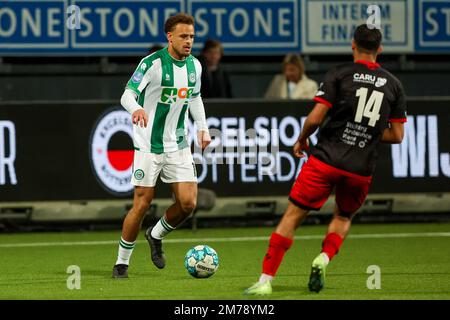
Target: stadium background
{"x":57,"y":83}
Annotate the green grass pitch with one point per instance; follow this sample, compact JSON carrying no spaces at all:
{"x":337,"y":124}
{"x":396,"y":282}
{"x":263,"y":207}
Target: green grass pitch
{"x":414,"y":260}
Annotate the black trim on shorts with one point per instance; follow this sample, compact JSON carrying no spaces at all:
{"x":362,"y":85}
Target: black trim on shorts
{"x":298,"y":204}
{"x":346,"y":214}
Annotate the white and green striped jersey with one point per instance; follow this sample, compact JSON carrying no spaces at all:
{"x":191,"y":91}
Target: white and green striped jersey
{"x":164,"y":87}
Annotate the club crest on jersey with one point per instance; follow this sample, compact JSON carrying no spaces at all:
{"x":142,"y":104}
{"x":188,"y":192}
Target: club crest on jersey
{"x":380,"y":82}
{"x":170,"y":95}
{"x":192,"y":77}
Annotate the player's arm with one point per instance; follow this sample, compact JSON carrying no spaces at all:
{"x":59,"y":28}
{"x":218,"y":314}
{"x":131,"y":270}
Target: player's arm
{"x":397,"y":117}
{"x":137,"y":83}
{"x":197,"y":110}
{"x":312,"y":122}
{"x":129,"y":102}
{"x":325,"y":98}
{"x":394,"y":133}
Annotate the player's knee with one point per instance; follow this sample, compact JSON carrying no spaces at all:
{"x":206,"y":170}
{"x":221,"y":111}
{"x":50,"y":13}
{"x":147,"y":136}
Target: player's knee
{"x":188,"y":206}
{"x":141,"y":205}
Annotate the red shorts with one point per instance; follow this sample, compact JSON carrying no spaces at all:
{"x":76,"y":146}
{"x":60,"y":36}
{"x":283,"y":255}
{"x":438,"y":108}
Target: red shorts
{"x":316,"y":181}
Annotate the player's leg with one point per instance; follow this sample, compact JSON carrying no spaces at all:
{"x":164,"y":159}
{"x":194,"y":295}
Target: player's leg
{"x":280,"y":241}
{"x":350,"y":195}
{"x":309,"y":192}
{"x":146,"y":169}
{"x":143,"y":196}
{"x":179,"y":171}
{"x":185,"y":202}
{"x":336,"y":233}
{"x":339,"y":225}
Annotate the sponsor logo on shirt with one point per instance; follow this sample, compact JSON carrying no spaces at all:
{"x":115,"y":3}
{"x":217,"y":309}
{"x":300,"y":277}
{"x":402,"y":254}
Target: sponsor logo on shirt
{"x":170,"y":95}
{"x":370,"y":79}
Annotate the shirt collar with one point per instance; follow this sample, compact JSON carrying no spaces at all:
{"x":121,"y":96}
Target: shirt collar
{"x":371,"y":65}
{"x":178,"y":63}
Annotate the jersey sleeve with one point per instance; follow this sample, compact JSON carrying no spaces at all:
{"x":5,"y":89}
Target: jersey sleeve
{"x":198,"y":80}
{"x":398,"y":109}
{"x":326,"y":93}
{"x":140,"y":78}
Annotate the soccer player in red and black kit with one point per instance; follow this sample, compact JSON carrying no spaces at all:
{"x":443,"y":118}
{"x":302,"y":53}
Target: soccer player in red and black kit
{"x":358,"y":105}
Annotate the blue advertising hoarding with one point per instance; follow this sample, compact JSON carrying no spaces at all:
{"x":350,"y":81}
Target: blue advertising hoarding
{"x":432,"y":29}
{"x":132,"y":27}
{"x":251,"y":26}
{"x":26,"y":24}
{"x":122,"y":25}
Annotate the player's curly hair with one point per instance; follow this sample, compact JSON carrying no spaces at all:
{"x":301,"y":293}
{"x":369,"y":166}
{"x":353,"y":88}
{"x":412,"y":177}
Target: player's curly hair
{"x":171,"y":22}
{"x":367,"y":40}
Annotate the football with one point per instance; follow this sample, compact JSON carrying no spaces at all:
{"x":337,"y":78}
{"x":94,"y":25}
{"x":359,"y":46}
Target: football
{"x":201,"y":261}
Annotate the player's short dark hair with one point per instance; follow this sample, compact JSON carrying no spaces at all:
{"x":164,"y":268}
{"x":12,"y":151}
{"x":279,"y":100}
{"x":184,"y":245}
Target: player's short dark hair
{"x":171,"y":22}
{"x":367,"y":40}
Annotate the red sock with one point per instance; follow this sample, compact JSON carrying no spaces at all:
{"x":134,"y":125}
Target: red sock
{"x":278,"y":245}
{"x":331,"y":244}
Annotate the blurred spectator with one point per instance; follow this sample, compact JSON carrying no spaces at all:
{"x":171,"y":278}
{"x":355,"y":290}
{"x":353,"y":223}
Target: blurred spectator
{"x":293,"y":83}
{"x":215,"y":80}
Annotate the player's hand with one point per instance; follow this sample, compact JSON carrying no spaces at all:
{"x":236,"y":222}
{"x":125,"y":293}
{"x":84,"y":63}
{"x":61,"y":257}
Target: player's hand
{"x":140,"y":118}
{"x":300,"y":147}
{"x":204,"y":139}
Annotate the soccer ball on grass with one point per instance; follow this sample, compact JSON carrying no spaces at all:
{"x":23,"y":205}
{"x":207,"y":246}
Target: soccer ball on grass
{"x":201,"y":261}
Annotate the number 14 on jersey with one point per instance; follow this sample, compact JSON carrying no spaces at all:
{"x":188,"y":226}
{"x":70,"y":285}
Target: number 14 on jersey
{"x":369,"y":109}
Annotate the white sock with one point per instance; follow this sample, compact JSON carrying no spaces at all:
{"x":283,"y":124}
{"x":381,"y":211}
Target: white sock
{"x":265,"y":277}
{"x":125,"y":251}
{"x":161,"y":229}
{"x":325,"y":258}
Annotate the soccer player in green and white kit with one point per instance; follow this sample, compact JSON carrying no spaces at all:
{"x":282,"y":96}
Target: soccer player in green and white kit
{"x":164,"y":86}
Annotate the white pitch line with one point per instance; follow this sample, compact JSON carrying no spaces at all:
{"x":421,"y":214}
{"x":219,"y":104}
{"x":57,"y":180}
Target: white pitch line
{"x":234,"y":239}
